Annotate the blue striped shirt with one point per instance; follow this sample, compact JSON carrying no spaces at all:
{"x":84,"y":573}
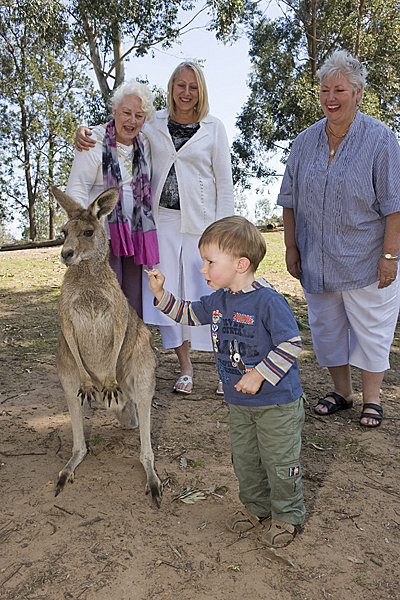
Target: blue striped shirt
{"x":340,"y":209}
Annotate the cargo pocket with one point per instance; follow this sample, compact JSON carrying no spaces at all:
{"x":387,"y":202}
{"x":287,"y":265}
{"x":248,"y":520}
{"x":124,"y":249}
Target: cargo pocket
{"x":288,"y":480}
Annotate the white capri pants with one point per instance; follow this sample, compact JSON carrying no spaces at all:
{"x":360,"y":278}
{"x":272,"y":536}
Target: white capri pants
{"x":180,"y":262}
{"x":354,"y":327}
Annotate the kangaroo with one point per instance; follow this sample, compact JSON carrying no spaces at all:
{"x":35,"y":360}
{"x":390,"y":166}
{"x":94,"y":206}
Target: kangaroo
{"x":105,"y":349}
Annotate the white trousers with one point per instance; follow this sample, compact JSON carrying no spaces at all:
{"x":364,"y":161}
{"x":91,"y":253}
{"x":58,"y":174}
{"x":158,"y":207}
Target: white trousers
{"x":180,"y":262}
{"x":354,"y":327}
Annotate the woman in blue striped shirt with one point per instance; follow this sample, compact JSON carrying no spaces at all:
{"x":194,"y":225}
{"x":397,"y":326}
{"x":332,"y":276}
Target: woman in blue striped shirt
{"x":341,"y":208}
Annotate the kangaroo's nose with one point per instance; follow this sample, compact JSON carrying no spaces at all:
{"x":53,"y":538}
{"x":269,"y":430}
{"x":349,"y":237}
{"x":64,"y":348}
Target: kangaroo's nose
{"x":67,"y":254}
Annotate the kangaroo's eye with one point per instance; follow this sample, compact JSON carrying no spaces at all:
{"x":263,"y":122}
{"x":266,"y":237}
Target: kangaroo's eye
{"x":88,"y":232}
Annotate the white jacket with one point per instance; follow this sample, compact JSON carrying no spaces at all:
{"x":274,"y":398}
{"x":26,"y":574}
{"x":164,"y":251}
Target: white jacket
{"x":203,"y":170}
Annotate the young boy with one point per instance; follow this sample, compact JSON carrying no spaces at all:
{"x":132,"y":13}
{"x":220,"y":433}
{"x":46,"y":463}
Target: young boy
{"x":256,"y":341}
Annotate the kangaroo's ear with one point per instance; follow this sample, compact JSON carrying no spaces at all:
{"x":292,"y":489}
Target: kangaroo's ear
{"x":104,"y":203}
{"x":66,"y":202}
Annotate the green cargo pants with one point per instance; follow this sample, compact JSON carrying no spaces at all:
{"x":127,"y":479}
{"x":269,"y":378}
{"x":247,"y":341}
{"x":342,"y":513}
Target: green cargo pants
{"x":265,"y":445}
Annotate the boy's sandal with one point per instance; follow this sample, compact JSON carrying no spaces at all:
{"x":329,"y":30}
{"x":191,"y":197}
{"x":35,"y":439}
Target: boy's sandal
{"x":242,"y":521}
{"x":185,"y":379}
{"x":279,"y":533}
{"x":341,"y":404}
{"x":368,"y":415}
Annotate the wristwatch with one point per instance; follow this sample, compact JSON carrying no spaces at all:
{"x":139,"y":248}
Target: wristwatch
{"x":389,"y":256}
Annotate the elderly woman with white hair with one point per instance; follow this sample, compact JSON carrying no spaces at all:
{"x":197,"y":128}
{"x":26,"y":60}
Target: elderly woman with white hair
{"x":341,"y":208}
{"x":119,"y":158}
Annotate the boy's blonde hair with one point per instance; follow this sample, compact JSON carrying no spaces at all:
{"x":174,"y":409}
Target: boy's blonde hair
{"x":236,"y":236}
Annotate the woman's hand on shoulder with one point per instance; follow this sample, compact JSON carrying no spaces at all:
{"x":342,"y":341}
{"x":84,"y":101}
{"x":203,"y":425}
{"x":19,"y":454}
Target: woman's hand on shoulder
{"x":83,"y":141}
{"x":293,"y":262}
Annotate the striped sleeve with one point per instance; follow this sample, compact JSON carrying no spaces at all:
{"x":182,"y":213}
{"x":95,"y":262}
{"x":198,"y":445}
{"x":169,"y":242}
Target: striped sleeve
{"x":179,"y":310}
{"x":279,"y":360}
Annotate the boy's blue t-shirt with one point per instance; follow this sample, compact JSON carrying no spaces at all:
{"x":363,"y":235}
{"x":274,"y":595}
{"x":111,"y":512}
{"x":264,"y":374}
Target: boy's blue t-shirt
{"x":253,"y":321}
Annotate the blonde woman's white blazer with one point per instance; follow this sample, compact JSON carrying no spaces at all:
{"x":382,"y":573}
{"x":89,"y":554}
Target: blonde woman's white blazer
{"x":203,"y":171}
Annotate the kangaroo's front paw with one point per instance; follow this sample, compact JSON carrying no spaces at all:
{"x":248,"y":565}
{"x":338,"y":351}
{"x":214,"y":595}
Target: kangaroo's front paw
{"x":111,"y":391}
{"x":87,"y":392}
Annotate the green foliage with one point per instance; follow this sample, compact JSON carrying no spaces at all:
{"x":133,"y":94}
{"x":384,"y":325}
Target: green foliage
{"x":42,"y":98}
{"x":286,"y":54}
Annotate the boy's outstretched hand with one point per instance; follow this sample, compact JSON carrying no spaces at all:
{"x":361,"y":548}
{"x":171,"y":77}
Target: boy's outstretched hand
{"x":156,"y":282}
{"x":250,"y":382}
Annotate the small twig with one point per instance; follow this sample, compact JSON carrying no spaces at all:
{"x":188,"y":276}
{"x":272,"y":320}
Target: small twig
{"x":12,"y":574}
{"x":179,"y":555}
{"x":89,"y":585}
{"x":351,"y":517}
{"x":5,"y":526}
{"x":53,"y":526}
{"x":222,"y":406}
{"x":382,"y":489}
{"x":63,"y":509}
{"x":59,"y":556}
{"x":165,"y":562}
{"x":59,"y":445}
{"x":254,"y":550}
{"x":95,"y":520}
{"x":178,"y":455}
{"x":8,"y":454}
{"x":11,"y":397}
{"x":68,"y":512}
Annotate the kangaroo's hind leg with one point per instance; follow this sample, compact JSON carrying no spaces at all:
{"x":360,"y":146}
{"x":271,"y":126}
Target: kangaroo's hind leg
{"x":69,"y":378}
{"x":142,"y":377}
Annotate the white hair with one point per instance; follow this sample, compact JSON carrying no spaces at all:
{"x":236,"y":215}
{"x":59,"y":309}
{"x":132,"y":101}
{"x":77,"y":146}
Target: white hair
{"x":342,"y":62}
{"x":137,"y":89}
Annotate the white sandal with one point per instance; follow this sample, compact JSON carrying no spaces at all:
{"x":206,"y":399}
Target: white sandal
{"x":185,"y":379}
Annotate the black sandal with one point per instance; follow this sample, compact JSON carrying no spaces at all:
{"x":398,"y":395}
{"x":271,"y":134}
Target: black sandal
{"x":341,"y":404}
{"x":365,"y":415}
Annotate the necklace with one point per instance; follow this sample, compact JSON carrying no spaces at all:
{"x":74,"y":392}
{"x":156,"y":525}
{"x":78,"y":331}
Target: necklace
{"x":335,"y":134}
{"x":332,"y":152}
{"x":341,"y":136}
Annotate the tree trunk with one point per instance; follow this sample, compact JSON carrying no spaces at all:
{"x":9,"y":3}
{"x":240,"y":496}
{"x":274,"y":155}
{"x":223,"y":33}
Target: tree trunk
{"x":359,"y":24}
{"x":52,"y":234}
{"x":28,"y":177}
{"x":117,"y":49}
{"x":95,"y":58}
{"x":313,"y":56}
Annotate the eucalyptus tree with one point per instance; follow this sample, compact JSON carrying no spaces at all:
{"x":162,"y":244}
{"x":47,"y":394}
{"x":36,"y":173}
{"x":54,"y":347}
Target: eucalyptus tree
{"x":40,"y":104}
{"x":286,"y":53}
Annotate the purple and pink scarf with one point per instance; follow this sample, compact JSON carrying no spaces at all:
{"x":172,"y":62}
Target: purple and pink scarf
{"x":141,"y":242}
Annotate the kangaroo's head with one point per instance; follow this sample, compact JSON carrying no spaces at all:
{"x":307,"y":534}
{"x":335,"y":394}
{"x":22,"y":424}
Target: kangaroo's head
{"x":84,"y":232}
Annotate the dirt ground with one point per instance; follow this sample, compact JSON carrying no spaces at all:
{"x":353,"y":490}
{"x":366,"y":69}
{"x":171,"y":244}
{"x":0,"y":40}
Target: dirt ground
{"x":103,"y":539}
